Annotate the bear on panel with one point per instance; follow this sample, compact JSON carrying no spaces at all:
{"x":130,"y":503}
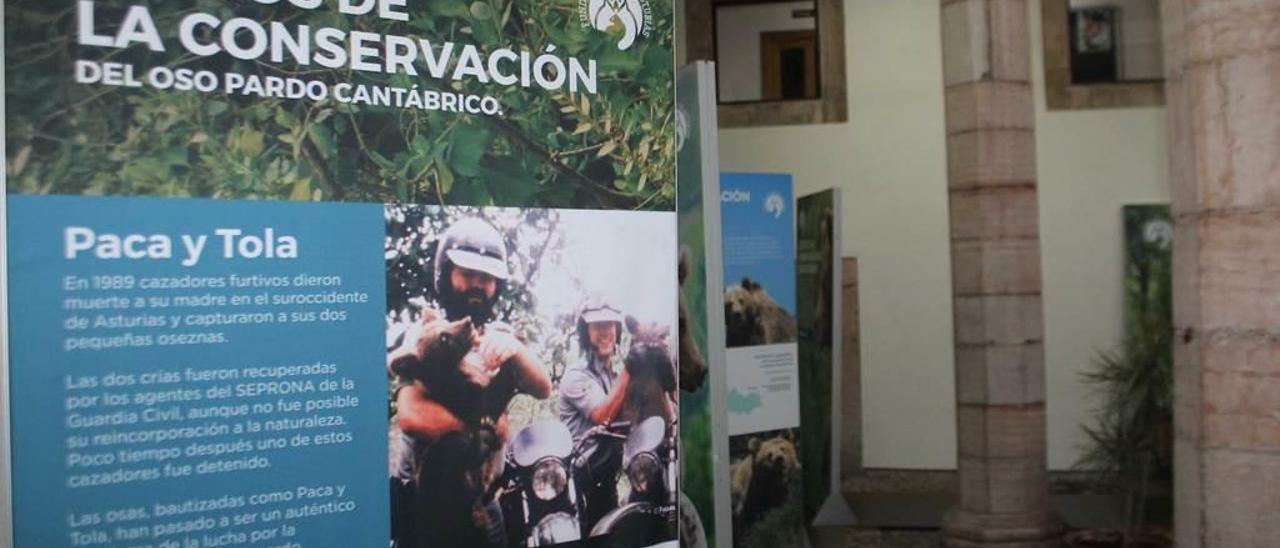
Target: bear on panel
{"x":753,"y":318}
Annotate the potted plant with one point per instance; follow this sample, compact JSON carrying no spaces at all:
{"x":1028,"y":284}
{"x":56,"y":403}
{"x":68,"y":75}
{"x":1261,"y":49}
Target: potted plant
{"x":1129,"y":444}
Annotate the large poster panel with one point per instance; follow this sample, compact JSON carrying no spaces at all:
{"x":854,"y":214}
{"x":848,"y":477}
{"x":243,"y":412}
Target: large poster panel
{"x":763,"y":380}
{"x":702,"y":365}
{"x":703,"y":438}
{"x":319,"y":273}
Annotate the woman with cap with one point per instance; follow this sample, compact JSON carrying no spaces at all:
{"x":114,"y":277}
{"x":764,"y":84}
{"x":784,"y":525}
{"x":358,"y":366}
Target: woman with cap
{"x":592,"y":392}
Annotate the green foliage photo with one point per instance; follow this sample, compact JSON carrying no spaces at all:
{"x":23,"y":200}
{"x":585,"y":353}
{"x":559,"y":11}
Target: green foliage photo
{"x":611,"y":149}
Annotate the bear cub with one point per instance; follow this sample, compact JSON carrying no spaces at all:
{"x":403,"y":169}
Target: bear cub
{"x":452,"y":372}
{"x":652,"y":371}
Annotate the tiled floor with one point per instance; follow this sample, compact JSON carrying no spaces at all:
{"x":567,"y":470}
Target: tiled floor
{"x":854,"y":537}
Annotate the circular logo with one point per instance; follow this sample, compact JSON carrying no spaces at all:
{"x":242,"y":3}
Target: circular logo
{"x":1159,"y":233}
{"x":774,"y":204}
{"x":682,"y":128}
{"x":631,"y":15}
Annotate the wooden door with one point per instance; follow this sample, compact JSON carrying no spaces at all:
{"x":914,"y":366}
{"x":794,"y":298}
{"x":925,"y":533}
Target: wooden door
{"x":789,"y":65}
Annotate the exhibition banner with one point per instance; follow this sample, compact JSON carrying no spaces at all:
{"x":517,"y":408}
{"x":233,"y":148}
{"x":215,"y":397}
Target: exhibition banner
{"x":1148,"y":306}
{"x":703,"y":435}
{"x":760,"y":302}
{"x":818,"y":317}
{"x":1148,"y":273}
{"x":763,"y":397}
{"x":315,"y":273}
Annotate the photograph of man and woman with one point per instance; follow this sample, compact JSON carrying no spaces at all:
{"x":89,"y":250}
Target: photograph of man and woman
{"x":531,"y":377}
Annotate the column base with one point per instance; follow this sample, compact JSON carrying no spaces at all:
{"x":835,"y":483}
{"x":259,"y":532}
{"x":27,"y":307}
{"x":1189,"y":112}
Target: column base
{"x":964,"y":529}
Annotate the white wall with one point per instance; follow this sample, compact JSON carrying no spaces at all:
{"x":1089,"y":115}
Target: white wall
{"x":738,"y":29}
{"x":890,"y":159}
{"x":1090,"y":163}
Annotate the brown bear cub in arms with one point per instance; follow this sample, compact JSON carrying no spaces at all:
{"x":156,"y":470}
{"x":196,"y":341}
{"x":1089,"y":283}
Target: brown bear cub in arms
{"x":652,"y":372}
{"x":451,"y":372}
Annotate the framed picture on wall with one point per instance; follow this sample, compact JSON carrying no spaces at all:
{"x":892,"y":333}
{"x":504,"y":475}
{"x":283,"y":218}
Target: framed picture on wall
{"x":1095,"y":36}
{"x":1095,"y":29}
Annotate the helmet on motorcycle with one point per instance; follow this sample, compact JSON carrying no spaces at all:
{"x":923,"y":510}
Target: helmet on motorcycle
{"x":595,"y":309}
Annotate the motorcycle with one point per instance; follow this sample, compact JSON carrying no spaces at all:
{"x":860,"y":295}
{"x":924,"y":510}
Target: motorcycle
{"x":650,"y":514}
{"x":543,"y":496}
{"x":536,"y":498}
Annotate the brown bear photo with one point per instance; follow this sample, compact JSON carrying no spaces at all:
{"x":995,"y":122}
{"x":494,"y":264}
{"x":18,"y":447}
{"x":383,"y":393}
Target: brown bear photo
{"x":752,"y":318}
{"x":764,"y":487}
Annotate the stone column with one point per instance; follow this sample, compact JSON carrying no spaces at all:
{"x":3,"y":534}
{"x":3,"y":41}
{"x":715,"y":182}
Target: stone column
{"x":1222,"y":65}
{"x":995,"y":268}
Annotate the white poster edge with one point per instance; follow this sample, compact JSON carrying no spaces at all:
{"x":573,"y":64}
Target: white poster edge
{"x":708,"y":125}
{"x":6,"y":471}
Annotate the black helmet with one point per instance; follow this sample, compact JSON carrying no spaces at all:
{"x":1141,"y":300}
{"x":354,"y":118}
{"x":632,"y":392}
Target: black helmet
{"x":472,"y":244}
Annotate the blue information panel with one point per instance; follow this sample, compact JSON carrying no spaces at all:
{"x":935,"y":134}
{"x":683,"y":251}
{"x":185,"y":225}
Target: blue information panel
{"x":759,"y":231}
{"x":763,"y":397}
{"x":196,"y":371}
{"x":760,"y":300}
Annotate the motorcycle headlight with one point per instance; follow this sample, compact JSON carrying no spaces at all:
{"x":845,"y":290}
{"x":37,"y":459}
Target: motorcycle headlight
{"x":555,"y":529}
{"x":549,"y":479}
{"x":645,"y":472}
